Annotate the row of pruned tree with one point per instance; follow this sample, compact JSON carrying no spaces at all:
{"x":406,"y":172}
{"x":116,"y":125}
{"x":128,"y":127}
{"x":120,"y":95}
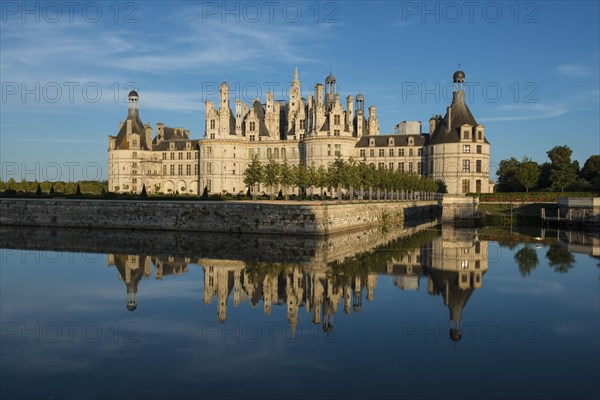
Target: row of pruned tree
{"x":356,"y":179}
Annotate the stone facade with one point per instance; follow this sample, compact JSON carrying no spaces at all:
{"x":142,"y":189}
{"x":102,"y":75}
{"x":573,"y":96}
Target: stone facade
{"x":311,"y":131}
{"x":166,"y":164}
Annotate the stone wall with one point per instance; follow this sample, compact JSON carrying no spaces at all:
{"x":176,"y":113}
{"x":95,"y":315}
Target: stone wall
{"x":308,"y":251}
{"x":319,"y":218}
{"x":459,"y":207}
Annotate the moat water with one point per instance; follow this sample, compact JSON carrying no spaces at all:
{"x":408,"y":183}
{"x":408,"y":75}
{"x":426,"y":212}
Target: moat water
{"x":421,"y":312}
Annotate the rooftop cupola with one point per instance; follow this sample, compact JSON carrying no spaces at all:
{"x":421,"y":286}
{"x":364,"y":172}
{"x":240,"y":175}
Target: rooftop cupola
{"x":458,"y":79}
{"x":133,"y":102}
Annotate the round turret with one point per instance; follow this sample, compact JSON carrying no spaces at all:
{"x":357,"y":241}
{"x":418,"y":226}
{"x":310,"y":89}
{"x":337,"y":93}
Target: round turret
{"x":330,"y":79}
{"x":360,"y":97}
{"x":133,"y":93}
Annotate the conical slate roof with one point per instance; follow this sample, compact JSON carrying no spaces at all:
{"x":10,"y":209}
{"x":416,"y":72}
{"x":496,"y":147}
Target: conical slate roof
{"x":136,"y":127}
{"x":448,"y":129}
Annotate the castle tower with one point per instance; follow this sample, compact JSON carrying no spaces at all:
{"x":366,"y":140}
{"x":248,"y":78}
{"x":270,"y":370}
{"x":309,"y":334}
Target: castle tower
{"x":295,"y":102}
{"x":295,"y":89}
{"x":225,"y":116}
{"x":467,"y":170}
{"x":224,"y":95}
{"x":361,"y":129}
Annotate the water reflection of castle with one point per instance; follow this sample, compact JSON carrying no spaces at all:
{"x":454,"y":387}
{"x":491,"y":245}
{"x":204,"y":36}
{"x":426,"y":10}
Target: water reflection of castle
{"x":453,"y":261}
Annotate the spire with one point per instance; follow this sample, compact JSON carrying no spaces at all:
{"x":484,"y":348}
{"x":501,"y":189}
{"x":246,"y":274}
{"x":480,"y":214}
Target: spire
{"x":295,"y":73}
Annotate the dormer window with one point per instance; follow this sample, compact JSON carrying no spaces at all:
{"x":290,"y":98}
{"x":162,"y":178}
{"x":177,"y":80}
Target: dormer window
{"x":372,"y":142}
{"x":390,"y":142}
{"x":465,"y":134}
{"x":479,"y":135}
{"x":411,"y":141}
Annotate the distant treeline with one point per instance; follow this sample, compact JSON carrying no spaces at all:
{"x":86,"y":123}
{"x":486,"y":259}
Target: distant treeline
{"x":560,"y":174}
{"x":57,"y":188}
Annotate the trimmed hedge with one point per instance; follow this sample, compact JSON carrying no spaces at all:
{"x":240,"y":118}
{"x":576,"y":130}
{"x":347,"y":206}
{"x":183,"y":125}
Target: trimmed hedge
{"x":529,"y":197}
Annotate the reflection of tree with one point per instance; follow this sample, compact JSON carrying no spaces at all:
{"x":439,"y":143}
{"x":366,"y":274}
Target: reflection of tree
{"x":508,"y":240}
{"x":527,"y":260}
{"x":560,"y":259}
{"x":376,"y":259}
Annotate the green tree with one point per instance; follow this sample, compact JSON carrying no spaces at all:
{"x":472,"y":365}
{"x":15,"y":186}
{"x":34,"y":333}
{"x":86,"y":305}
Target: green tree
{"x":353,"y":176}
{"x":560,"y":155}
{"x":441,"y":186}
{"x":143,"y":193}
{"x":591,"y":168}
{"x":271,"y":177}
{"x":302,"y":179}
{"x":528,"y":173}
{"x":12,"y":184}
{"x":563,"y":172}
{"x":321,"y":178}
{"x":591,"y":172}
{"x":38,"y":191}
{"x":507,"y":175}
{"x":287,"y":177}
{"x":336,"y":172}
{"x":78,"y":190}
{"x":527,"y":260}
{"x":371,"y":179}
{"x":544,"y":181}
{"x":253,"y":175}
{"x":312,"y":178}
{"x":562,"y":177}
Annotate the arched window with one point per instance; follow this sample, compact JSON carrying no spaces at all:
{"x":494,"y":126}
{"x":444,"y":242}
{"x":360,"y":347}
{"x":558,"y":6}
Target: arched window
{"x":276,"y":153}
{"x":269,"y":153}
{"x":283,"y":155}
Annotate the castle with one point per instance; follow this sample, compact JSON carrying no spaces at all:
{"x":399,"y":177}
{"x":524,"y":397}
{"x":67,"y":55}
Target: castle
{"x":311,"y":131}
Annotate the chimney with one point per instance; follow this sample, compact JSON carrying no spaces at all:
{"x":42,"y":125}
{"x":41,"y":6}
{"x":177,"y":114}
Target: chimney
{"x":160,"y":132}
{"x":319,"y":94}
{"x":432,"y":124}
{"x":349,"y":110}
{"x":148,"y":134}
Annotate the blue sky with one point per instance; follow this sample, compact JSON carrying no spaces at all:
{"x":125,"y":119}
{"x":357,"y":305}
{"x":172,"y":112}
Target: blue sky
{"x":532,"y":69}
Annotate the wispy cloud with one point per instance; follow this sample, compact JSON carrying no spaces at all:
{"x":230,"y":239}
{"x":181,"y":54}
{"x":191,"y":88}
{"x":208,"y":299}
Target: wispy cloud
{"x":576,"y":70}
{"x":526,"y":112}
